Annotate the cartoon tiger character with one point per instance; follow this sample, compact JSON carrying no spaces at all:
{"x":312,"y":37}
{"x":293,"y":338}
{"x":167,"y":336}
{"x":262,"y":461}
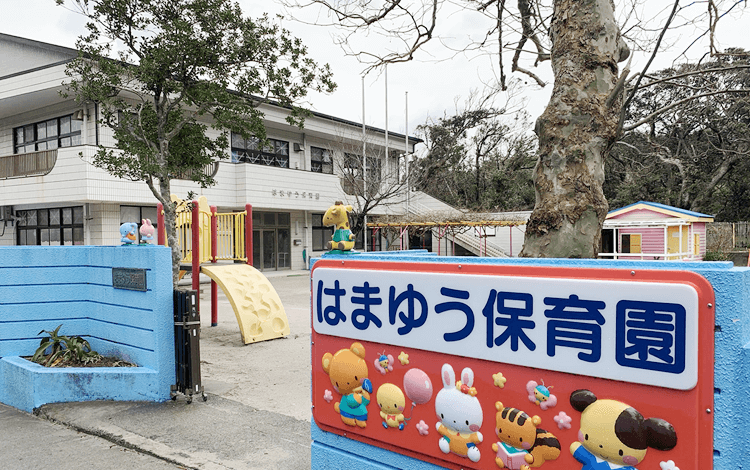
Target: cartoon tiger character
{"x":522,"y":445}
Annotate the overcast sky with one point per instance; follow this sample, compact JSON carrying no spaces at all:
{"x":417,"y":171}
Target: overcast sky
{"x":433,"y":86}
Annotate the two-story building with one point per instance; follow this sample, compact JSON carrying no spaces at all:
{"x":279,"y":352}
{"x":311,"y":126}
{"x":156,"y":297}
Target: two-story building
{"x":51,"y":195}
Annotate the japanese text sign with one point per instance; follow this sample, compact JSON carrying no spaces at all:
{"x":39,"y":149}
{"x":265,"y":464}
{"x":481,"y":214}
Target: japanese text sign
{"x":432,"y":360}
{"x":622,"y":330}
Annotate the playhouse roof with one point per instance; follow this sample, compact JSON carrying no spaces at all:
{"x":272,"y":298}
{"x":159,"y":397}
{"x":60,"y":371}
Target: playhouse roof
{"x":662,"y":209}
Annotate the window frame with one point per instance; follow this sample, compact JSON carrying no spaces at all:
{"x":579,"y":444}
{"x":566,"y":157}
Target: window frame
{"x":274,"y":153}
{"x":71,"y":138}
{"x":325,"y":232}
{"x":322,"y":163}
{"x":44,"y":223}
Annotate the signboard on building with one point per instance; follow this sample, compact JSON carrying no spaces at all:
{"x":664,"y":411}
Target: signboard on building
{"x":474,"y":366}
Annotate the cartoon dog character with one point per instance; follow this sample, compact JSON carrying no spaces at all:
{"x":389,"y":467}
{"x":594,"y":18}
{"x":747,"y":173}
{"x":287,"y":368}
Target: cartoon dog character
{"x":522,"y":444}
{"x":616,"y":433}
{"x":391,"y":401}
{"x":347,"y":370}
{"x":460,"y":414}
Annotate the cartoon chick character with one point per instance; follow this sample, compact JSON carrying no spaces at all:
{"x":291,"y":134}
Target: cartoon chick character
{"x":391,"y":401}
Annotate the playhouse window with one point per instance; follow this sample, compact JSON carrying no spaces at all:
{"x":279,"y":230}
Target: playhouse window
{"x":631,"y":243}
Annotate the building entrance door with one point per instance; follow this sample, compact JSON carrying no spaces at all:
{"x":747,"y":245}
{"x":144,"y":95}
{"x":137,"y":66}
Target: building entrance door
{"x":272,"y":249}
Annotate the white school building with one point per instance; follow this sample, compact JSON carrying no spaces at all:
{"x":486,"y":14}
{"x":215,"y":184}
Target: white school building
{"x":51,"y":195}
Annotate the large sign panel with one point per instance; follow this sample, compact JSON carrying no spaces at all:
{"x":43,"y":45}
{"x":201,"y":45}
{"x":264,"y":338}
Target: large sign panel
{"x":471,"y":366}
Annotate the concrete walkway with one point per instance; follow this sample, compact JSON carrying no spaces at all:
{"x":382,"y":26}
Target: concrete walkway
{"x":257,"y":415}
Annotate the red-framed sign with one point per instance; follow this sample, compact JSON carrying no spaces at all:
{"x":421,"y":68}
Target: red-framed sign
{"x":480,"y":366}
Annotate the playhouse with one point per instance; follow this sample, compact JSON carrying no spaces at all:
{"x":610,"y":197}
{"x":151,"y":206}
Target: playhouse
{"x":653,"y":231}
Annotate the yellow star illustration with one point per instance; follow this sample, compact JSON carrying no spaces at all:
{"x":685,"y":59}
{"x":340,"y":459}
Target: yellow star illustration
{"x":404,"y":358}
{"x":499,"y":379}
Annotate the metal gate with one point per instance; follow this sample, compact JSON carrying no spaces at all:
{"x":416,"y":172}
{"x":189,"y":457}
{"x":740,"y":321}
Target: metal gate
{"x":187,"y":335}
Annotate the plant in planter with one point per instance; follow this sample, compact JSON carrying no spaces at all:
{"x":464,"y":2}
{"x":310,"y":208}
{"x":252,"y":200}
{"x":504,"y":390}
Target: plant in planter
{"x":64,"y":349}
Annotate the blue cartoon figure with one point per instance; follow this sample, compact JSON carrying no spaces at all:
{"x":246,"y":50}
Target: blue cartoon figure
{"x":541,"y":395}
{"x":128,"y":232}
{"x":384,"y":363}
{"x":614,"y":435}
{"x":338,"y":215}
{"x":347,"y":370}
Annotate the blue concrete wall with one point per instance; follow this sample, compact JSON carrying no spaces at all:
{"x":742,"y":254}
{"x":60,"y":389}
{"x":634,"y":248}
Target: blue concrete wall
{"x":43,"y":287}
{"x":732,"y":361}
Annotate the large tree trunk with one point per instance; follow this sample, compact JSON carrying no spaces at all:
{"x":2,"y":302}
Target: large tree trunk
{"x":575,"y":131}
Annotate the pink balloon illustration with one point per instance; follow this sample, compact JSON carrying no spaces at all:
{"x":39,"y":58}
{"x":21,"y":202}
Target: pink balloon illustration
{"x":417,"y":386}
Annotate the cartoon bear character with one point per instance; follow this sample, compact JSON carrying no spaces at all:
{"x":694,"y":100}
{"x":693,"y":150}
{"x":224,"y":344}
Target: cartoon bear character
{"x":391,"y":401}
{"x":347,"y":370}
{"x":522,"y":444}
{"x":616,"y":433}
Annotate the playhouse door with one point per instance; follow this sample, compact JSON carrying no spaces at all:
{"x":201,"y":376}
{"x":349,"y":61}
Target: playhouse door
{"x":673,"y":242}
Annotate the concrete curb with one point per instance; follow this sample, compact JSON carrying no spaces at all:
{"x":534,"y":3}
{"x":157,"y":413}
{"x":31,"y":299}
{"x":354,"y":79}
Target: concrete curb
{"x":219,"y":434}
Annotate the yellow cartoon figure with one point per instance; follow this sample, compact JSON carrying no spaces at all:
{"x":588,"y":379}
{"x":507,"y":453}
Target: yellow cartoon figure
{"x":338,"y":215}
{"x":391,"y":401}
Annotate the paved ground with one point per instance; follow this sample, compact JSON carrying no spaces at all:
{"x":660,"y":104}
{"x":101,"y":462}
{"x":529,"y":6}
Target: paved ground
{"x":257,"y":415}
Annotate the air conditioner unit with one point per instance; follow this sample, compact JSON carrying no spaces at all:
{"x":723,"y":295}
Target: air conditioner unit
{"x":297,"y":147}
{"x":6,"y":212}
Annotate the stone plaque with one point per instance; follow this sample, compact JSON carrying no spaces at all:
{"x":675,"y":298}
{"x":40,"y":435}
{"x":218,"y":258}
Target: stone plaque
{"x":129,"y":278}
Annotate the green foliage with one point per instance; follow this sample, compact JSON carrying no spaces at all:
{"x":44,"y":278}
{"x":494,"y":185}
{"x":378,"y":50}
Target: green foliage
{"x":174,"y":78}
{"x":478,"y":161}
{"x":63,"y":349}
{"x":694,"y":155}
{"x":715,"y":256}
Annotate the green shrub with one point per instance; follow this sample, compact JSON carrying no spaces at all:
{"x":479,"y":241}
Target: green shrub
{"x":716,"y":256}
{"x":63,"y":349}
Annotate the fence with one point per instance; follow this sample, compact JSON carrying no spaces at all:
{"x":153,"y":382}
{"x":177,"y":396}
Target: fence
{"x":727,"y":236}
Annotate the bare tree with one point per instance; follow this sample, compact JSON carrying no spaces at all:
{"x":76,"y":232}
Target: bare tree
{"x":377,"y":181}
{"x":584,"y":43}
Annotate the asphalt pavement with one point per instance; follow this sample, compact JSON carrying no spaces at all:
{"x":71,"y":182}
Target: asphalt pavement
{"x":257,"y":415}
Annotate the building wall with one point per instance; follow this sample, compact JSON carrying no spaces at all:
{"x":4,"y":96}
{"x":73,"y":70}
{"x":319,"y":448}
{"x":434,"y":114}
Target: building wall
{"x":18,"y":54}
{"x":641,"y":214}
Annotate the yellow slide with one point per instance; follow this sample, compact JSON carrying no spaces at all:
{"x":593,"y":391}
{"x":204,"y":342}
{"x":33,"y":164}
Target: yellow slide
{"x":256,"y":304}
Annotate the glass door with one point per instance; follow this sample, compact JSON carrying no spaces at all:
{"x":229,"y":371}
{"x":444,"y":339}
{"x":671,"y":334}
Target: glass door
{"x":256,"y":249}
{"x":269,"y":249}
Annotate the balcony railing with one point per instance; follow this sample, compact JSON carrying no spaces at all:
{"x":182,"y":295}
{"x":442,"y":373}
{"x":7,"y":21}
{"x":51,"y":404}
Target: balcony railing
{"x":27,"y":164}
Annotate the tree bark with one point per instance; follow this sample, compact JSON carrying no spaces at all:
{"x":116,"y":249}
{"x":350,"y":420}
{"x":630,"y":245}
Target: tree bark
{"x":575,"y":131}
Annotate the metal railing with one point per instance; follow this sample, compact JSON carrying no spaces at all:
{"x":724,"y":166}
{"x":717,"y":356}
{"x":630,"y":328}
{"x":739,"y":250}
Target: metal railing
{"x":27,"y":164}
{"x":480,"y":246}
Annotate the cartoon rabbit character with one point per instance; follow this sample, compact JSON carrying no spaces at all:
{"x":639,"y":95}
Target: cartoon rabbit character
{"x":147,"y":231}
{"x":460,"y":414}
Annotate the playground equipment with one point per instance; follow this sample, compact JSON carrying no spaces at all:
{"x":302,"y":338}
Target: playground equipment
{"x":206,"y":236}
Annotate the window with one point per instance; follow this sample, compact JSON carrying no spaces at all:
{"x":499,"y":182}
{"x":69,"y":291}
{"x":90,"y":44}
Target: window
{"x":137,"y":214}
{"x":320,"y":234}
{"x":631,"y":243}
{"x":274,"y":153}
{"x":59,"y":226}
{"x":352,"y":179}
{"x":321,"y":160}
{"x":47,"y":135}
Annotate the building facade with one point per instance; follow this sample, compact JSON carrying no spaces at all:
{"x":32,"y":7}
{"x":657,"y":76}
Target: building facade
{"x":50,"y":193}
